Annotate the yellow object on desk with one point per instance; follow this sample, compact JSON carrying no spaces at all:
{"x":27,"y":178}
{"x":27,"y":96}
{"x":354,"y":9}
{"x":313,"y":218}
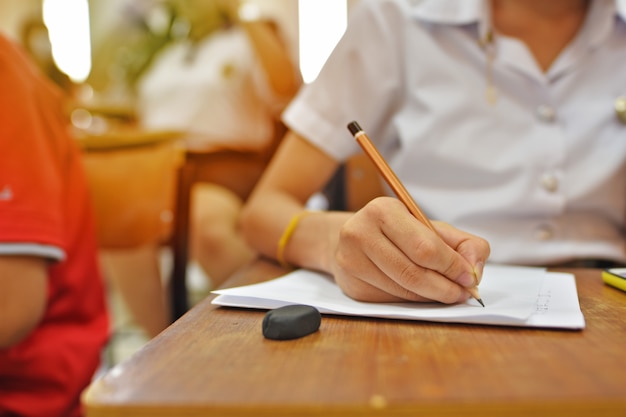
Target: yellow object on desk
{"x":615,"y":277}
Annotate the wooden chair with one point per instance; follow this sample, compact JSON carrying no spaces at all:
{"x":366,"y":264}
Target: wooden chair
{"x":355,"y":183}
{"x":236,"y":170}
{"x":131,"y":174}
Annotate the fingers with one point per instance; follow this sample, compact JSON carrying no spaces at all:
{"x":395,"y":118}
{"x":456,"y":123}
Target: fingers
{"x":473,"y":248}
{"x":385,"y":254}
{"x":363,"y":280}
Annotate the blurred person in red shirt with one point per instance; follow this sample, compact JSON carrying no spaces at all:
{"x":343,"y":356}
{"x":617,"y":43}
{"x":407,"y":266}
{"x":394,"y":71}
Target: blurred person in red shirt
{"x":53,"y":318}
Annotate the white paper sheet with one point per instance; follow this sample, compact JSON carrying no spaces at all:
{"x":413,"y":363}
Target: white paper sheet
{"x":513,"y":295}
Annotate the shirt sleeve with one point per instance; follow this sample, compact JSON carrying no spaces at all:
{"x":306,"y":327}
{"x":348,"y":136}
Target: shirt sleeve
{"x":361,"y":80}
{"x":32,"y":249}
{"x":31,"y":190}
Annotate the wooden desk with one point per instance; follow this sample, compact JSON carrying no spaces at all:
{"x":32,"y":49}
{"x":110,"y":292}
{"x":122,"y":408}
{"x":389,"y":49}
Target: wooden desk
{"x":215,"y":361}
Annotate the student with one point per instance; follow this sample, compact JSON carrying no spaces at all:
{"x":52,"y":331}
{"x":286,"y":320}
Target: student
{"x":502,"y":118}
{"x":53,"y":321}
{"x":225,"y":84}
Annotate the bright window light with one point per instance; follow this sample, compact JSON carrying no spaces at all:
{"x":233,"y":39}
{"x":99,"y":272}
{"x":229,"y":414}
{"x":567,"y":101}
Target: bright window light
{"x":68,"y":28}
{"x":321,"y":24}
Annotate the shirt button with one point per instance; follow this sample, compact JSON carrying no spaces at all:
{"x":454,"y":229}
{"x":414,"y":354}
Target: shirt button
{"x":620,"y":108}
{"x":545,"y":113}
{"x":549,"y":182}
{"x":544,"y":233}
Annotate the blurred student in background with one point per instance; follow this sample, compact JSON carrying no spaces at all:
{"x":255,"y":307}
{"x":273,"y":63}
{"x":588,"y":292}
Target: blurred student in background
{"x":53,"y":321}
{"x":224,"y":81}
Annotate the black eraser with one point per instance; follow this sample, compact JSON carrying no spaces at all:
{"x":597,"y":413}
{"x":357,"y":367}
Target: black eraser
{"x":291,"y":322}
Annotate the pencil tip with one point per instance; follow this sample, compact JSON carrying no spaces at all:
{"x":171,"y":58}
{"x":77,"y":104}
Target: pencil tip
{"x":480,"y":301}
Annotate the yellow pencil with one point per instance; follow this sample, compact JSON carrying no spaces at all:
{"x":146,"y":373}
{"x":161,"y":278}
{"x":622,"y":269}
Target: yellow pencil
{"x":395,"y":184}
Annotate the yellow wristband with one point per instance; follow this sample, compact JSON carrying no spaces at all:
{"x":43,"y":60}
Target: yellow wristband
{"x":284,"y":239}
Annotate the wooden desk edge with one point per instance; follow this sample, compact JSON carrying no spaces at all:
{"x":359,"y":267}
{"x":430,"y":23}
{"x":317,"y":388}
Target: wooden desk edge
{"x":96,"y":407}
{"x":466,"y":409}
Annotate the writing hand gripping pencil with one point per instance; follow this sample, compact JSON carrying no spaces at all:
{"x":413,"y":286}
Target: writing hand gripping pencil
{"x":385,"y":255}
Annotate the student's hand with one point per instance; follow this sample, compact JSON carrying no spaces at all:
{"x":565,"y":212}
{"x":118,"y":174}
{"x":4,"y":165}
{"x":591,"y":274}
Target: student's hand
{"x":384,"y":254}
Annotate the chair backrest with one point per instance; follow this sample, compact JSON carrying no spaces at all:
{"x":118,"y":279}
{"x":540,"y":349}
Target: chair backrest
{"x":237,"y":170}
{"x":354,"y":184}
{"x":132,"y":184}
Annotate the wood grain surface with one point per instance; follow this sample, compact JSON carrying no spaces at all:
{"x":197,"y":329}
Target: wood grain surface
{"x":215,"y":361}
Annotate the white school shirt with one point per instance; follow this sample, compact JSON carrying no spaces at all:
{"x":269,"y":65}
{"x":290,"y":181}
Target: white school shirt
{"x":541,"y":174}
{"x":217,"y":90}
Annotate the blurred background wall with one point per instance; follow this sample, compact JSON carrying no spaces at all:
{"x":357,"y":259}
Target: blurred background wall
{"x":107,"y":16}
{"x":12,"y":13}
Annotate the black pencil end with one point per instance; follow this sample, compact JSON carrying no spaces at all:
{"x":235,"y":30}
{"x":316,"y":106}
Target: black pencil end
{"x":354,"y":128}
{"x":480,"y":301}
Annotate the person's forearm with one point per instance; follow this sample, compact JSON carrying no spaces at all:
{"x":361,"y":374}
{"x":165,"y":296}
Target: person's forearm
{"x":314,"y":238}
{"x":22,"y":297}
{"x":314,"y":241}
{"x":297,"y":171}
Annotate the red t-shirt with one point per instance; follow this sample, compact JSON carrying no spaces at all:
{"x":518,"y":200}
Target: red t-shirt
{"x":45,"y":210}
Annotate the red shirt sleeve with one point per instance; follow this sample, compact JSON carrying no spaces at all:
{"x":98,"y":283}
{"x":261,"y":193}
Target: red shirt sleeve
{"x":31,"y":192}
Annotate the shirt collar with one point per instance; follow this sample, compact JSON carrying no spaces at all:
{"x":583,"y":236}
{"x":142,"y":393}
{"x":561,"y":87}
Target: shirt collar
{"x":454,"y":12}
{"x":621,"y":9}
{"x":601,"y":19}
{"x":462,"y":12}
